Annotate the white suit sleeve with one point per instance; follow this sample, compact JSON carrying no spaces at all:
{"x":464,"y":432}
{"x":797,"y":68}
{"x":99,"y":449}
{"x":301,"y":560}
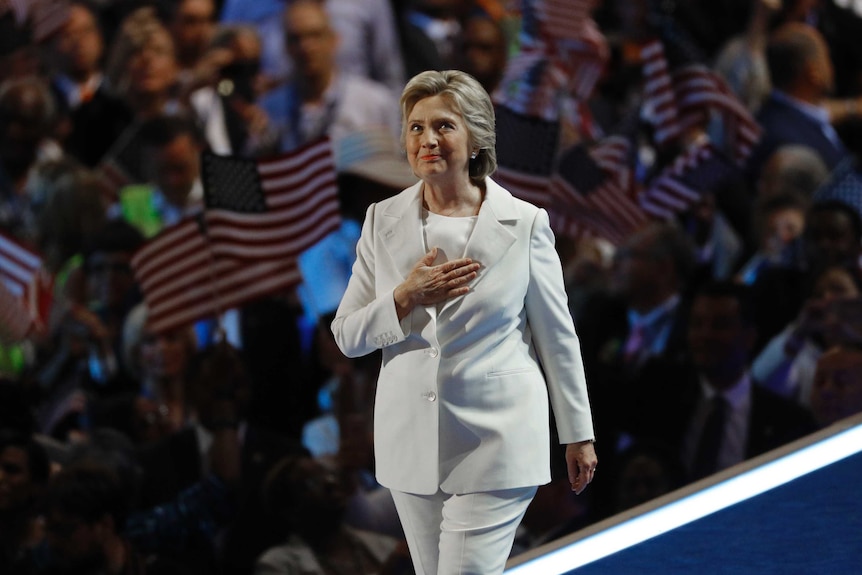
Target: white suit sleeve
{"x":366,"y":321}
{"x":554,"y":336}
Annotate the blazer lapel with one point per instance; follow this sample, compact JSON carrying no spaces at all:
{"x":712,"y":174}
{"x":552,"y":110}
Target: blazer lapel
{"x":491,"y":238}
{"x":401,"y":232}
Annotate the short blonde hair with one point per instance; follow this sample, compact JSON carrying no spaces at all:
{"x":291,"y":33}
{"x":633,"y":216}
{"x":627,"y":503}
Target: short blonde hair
{"x":471,"y":100}
{"x":136,"y":31}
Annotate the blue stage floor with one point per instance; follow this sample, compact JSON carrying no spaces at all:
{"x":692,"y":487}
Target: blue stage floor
{"x":807,"y":525}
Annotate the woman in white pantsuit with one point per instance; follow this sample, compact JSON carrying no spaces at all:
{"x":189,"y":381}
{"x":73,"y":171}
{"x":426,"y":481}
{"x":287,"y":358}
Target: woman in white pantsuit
{"x":460,"y":285}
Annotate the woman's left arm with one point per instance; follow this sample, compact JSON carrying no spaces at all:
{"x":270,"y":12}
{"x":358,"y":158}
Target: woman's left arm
{"x":554,"y":336}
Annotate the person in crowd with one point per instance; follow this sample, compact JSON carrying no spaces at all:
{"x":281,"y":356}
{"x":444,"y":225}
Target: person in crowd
{"x":719,"y":246}
{"x":431,"y":32}
{"x":19,"y":55}
{"x":458,"y":283}
{"x":642,"y":315}
{"x":192,"y":24}
{"x":27,"y":116}
{"x":367,"y":29}
{"x":171,"y":147}
{"x":779,"y":220}
{"x":233,"y":122}
{"x":70,"y":209}
{"x":710,"y":411}
{"x":741,"y":60}
{"x":160,"y":363}
{"x":483,"y":52}
{"x":86,"y":357}
{"x":837,"y":390}
{"x":92,"y":116}
{"x":85,"y":509}
{"x":792,"y":168}
{"x":24,"y":470}
{"x":787,"y":363}
{"x":833,"y":233}
{"x":322,"y":100}
{"x":802,"y":76}
{"x":309,"y":501}
{"x":368,"y":41}
{"x":142,"y":66}
{"x":651,"y":271}
{"x":215,"y":393}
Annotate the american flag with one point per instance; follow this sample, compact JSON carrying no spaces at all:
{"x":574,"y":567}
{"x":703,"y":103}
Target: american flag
{"x":700,"y":90}
{"x":584,"y":59}
{"x":700,"y":169}
{"x":532,"y":83}
{"x":562,"y":54}
{"x":272,"y":208}
{"x":20,"y":272}
{"x":259,"y":217}
{"x":526,"y":151}
{"x":659,"y":101}
{"x":561,"y":18}
{"x":593,"y":187}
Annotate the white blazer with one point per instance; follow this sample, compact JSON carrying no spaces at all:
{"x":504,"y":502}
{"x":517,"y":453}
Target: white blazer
{"x":473,"y":415}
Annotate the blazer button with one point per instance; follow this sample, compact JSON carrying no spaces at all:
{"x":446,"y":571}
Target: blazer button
{"x":431,"y":396}
{"x":433,"y":352}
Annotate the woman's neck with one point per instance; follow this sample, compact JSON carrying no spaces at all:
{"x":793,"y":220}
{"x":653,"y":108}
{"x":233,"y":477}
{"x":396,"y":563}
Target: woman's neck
{"x":458,"y":200}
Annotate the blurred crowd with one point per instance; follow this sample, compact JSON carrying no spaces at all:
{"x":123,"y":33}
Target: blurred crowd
{"x":242,"y":443}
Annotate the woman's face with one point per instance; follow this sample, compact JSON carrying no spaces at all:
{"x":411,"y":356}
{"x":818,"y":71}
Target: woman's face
{"x":153,"y":69}
{"x":437,"y":141}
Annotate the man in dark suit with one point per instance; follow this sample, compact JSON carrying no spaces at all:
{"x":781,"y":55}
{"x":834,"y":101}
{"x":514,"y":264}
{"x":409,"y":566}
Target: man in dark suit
{"x":641,"y":317}
{"x":710,"y":411}
{"x":92,"y":118}
{"x":802,"y":77}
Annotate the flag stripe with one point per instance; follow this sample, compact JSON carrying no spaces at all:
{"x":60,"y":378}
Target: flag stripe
{"x":533,"y":189}
{"x":19,"y":272}
{"x":213,"y":290}
{"x":658,"y":98}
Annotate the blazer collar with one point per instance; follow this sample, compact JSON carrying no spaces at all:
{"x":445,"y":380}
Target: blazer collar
{"x":490,"y":240}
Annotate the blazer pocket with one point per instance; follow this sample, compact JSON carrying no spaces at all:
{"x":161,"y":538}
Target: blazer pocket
{"x":513,"y":371}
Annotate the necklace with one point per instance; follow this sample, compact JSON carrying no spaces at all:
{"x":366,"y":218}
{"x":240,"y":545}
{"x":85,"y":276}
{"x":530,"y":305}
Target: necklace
{"x":457,"y":211}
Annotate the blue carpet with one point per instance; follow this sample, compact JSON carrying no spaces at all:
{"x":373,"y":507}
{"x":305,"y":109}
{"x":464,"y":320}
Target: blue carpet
{"x":810,"y":526}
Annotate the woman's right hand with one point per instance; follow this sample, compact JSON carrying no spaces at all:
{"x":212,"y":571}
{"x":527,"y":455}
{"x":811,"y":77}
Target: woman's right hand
{"x":429,"y":284}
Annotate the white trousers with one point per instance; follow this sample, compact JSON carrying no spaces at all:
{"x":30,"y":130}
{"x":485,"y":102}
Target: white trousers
{"x":468,"y":534}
